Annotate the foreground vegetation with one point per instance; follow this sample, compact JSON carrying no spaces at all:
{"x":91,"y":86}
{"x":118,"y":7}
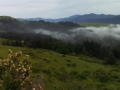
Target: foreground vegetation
{"x":68,"y":72}
{"x":15,"y":72}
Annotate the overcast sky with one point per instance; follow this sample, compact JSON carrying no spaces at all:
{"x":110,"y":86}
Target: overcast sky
{"x":57,"y":8}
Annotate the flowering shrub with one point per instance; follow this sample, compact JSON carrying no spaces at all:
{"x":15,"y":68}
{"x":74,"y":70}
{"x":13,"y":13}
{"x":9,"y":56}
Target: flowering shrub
{"x":15,"y":72}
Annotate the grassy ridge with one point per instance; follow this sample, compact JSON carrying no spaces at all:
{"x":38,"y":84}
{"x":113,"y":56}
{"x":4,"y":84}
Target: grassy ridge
{"x":69,"y":71}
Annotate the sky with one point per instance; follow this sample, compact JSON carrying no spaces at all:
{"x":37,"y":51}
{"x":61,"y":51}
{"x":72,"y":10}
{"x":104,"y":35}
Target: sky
{"x":57,"y":8}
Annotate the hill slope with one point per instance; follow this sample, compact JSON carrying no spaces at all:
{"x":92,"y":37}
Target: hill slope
{"x":9,"y":24}
{"x":69,"y":72}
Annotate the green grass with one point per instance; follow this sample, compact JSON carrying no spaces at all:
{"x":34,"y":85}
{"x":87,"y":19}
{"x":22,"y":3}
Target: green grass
{"x":52,"y":66}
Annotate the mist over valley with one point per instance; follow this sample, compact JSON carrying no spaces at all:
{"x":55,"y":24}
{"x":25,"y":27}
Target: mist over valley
{"x":108,"y":35}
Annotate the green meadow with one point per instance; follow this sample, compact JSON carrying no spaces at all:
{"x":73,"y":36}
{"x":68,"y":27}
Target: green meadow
{"x":69,"y":72}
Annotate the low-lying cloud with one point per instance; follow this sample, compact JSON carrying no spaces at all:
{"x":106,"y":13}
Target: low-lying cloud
{"x":105,"y":35}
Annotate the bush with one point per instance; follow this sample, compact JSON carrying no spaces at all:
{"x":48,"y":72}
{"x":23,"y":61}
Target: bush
{"x":102,"y":75}
{"x":74,"y":72}
{"x":63,"y":55}
{"x":68,"y":60}
{"x":15,"y":71}
{"x":84,"y":75}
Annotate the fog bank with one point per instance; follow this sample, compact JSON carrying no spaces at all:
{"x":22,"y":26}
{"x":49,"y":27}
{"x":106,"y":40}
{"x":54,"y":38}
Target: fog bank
{"x":105,"y":35}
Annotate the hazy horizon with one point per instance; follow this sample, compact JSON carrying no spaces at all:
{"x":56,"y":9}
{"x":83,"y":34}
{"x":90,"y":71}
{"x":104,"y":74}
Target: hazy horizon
{"x":71,"y":15}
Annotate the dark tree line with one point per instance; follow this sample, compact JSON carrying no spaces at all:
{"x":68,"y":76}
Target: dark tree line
{"x":89,"y":48}
{"x":31,"y":25}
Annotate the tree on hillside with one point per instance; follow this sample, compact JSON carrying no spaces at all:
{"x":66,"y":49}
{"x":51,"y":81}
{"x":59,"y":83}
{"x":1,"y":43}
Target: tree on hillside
{"x":110,"y":59}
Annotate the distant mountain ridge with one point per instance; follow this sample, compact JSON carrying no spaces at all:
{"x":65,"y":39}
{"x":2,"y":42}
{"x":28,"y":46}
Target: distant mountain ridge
{"x":87,"y":18}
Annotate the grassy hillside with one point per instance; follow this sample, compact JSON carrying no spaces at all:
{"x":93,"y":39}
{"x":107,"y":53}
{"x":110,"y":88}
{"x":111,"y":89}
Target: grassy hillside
{"x":69,"y":72}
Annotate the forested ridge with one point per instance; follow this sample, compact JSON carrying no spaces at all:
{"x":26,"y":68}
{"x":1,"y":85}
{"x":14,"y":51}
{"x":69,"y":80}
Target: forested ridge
{"x":10,"y":24}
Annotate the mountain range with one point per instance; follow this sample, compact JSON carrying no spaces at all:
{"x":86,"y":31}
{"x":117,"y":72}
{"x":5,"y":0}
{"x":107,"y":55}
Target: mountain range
{"x":8,"y":23}
{"x":86,"y":18}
